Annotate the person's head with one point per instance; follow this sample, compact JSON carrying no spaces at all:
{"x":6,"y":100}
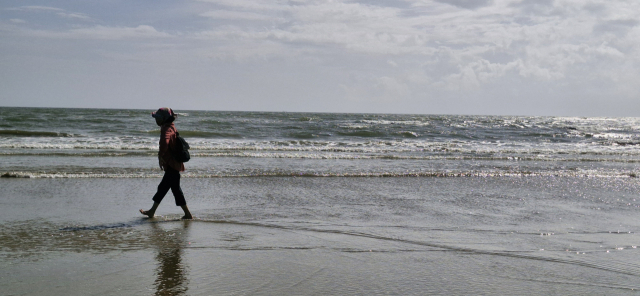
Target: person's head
{"x":164,"y":115}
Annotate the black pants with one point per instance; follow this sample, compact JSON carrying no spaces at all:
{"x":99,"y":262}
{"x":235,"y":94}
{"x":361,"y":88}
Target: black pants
{"x":171,"y":180}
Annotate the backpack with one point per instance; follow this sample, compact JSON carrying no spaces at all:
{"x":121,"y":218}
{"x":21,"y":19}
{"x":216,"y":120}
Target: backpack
{"x":180,"y":150}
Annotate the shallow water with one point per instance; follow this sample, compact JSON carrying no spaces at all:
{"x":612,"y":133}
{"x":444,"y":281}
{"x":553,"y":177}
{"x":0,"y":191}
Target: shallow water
{"x":319,"y":236}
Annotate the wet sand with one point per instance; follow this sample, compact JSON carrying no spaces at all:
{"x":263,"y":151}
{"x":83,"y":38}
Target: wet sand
{"x":321,"y":236}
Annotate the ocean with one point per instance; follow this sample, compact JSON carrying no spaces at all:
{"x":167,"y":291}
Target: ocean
{"x":320,"y":204}
{"x":74,"y":143}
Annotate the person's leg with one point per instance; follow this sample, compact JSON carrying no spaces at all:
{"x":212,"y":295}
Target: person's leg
{"x":179,"y":195}
{"x":163,"y":188}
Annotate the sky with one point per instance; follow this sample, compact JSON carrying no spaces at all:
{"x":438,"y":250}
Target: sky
{"x":482,"y":57}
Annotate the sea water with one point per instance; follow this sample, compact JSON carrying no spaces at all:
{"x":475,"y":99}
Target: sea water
{"x":119,"y":143}
{"x":320,"y":204}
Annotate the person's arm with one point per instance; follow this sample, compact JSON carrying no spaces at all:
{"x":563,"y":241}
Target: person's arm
{"x":163,"y":153}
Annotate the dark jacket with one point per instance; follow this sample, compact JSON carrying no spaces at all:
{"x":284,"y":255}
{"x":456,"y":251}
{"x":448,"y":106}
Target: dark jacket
{"x":167,"y":142}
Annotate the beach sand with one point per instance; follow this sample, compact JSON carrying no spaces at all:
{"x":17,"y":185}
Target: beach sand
{"x":321,"y":236}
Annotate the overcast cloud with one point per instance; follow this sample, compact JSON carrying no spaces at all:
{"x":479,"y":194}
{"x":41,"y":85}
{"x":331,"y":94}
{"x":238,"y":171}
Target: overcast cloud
{"x":516,"y":57}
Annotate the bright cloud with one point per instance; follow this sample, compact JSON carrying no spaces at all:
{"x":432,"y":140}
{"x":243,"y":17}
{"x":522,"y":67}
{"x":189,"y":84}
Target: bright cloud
{"x":390,"y":50}
{"x":540,"y":39}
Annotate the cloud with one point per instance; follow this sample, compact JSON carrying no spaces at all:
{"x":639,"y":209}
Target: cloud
{"x":36,"y":8}
{"x":463,"y":43}
{"x":538,"y":7}
{"x":237,"y":15}
{"x":73,"y":16}
{"x":596,"y":8}
{"x":47,"y":9}
{"x":393,"y":88}
{"x":252,"y":5}
{"x":350,"y":25}
{"x":102,"y":33}
{"x":380,"y":49}
{"x":468,"y":4}
{"x":616,"y":27}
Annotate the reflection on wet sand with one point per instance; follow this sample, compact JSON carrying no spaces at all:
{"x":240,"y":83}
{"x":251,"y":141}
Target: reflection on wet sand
{"x":171,"y":273}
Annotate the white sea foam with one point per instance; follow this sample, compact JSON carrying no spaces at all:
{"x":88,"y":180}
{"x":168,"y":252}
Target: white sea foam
{"x":258,"y":173}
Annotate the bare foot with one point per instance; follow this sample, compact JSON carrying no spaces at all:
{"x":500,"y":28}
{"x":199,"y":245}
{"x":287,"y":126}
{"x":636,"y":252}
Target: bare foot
{"x":187,"y":213}
{"x":147,"y":213}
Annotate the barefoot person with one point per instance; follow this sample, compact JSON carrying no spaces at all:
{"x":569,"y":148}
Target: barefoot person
{"x":172,"y":168}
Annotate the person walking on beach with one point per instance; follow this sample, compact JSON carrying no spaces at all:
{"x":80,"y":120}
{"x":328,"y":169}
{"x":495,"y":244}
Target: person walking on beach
{"x":172,"y":168}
